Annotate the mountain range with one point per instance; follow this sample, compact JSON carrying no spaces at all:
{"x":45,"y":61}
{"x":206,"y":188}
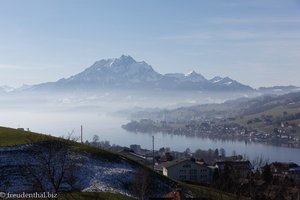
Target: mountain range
{"x":127,"y":73}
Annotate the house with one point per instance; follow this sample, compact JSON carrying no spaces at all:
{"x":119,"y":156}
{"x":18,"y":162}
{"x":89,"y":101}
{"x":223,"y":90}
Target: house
{"x":166,"y":157}
{"x":242,"y":168}
{"x":134,"y":156}
{"x":282,"y":168}
{"x":290,"y":169}
{"x":187,"y":169}
{"x":294,"y":173}
{"x":158,"y":168}
{"x":136,"y":148}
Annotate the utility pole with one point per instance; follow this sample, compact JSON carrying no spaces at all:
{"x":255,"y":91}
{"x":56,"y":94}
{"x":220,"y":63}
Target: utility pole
{"x":153,"y":151}
{"x":81,"y":129}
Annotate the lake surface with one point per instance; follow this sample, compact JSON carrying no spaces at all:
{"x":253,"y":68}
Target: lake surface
{"x":108,"y":128}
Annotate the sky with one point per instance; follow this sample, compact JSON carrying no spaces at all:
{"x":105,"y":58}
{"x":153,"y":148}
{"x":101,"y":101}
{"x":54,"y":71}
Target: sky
{"x":255,"y":42}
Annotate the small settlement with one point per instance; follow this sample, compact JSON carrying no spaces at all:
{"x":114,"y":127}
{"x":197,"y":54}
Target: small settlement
{"x":182,"y":166}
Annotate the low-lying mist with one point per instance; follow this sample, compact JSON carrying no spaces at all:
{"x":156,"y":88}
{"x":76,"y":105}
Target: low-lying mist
{"x":103,"y":113}
{"x":99,"y":112}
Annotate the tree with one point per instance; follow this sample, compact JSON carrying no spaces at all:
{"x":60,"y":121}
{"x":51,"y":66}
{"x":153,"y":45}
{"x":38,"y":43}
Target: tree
{"x":141,"y":186}
{"x":216,"y":153}
{"x":258,"y":162}
{"x":52,"y":168}
{"x":187,"y":152}
{"x":210,"y":153}
{"x":71,"y":136}
{"x":223,"y":152}
{"x":95,"y":140}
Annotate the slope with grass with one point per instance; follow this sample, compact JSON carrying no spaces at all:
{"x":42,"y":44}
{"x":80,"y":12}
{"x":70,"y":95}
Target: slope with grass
{"x":96,"y":170}
{"x":11,"y":137}
{"x":264,"y":113}
{"x":101,"y":174}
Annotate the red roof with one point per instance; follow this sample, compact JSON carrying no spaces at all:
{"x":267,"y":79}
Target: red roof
{"x":172,"y":195}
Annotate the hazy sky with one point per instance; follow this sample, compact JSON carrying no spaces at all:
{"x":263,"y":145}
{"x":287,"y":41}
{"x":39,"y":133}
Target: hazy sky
{"x":256,"y":42}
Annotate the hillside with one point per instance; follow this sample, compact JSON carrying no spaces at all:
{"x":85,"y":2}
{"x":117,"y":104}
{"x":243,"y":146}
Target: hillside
{"x":89,"y":169}
{"x":95,"y":173}
{"x":267,"y":119}
{"x":233,"y":108}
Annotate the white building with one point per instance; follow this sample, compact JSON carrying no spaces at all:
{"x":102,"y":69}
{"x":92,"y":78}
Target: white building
{"x":188,"y":170}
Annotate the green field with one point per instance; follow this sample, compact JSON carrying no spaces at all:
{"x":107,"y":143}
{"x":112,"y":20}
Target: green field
{"x":276,"y":113}
{"x":10,"y":137}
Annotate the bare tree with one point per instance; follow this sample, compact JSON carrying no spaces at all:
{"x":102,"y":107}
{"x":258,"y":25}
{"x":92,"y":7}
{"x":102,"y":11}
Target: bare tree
{"x":259,"y":161}
{"x":141,"y":186}
{"x":51,"y":167}
{"x":71,"y":136}
{"x":223,"y":152}
{"x":95,"y":140}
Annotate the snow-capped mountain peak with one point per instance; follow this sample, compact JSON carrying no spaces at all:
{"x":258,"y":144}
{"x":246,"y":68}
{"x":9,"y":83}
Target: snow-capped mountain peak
{"x":127,"y":73}
{"x":120,"y":71}
{"x":226,"y":82}
{"x":216,"y":79}
{"x":194,"y":77}
{"x":123,"y":60}
{"x":112,"y":62}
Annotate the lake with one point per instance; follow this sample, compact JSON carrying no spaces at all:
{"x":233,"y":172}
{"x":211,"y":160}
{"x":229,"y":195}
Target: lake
{"x":108,"y":127}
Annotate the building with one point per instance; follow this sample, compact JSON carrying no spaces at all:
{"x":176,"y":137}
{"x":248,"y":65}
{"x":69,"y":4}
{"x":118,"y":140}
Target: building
{"x":134,"y":156}
{"x":281,"y":168}
{"x":242,"y":168}
{"x":187,"y":170}
{"x":290,"y":169}
{"x":166,"y":157}
{"x":136,"y":148}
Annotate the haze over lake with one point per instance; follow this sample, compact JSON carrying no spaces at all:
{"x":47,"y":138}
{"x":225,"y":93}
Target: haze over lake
{"x":99,"y":116}
{"x":213,"y":86}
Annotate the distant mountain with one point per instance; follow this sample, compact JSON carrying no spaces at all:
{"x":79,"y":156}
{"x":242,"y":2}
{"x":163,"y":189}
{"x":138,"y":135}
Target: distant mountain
{"x":194,"y":77}
{"x":227,"y":83}
{"x":123,"y":72}
{"x":127,"y":73}
{"x":6,"y":88}
{"x":191,"y":76}
{"x":268,"y":104}
{"x":278,"y":89}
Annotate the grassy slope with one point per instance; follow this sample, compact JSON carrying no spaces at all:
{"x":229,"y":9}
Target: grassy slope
{"x":10,"y":137}
{"x":275,"y":112}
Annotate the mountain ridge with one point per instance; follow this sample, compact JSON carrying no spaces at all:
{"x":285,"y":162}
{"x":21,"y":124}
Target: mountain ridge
{"x":127,"y":73}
